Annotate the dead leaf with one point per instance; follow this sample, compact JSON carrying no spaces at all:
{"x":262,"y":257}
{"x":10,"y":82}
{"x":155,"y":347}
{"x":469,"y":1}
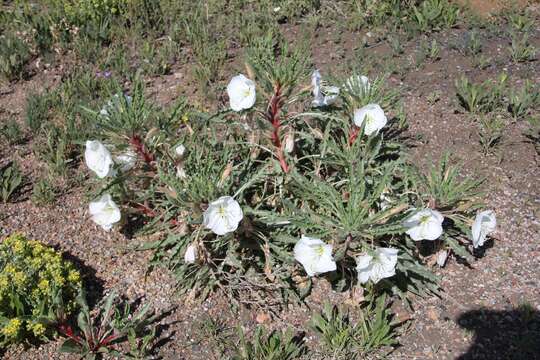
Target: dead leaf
{"x":262,"y":317}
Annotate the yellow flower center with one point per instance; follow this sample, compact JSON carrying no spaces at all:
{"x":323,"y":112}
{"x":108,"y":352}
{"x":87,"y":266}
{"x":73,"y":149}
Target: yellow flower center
{"x":369,"y":119}
{"x":221,"y":211}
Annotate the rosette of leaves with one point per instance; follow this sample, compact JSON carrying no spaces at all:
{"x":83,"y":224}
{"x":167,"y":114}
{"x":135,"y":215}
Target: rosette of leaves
{"x":37,"y":288}
{"x":350,"y":189}
{"x":442,"y":187}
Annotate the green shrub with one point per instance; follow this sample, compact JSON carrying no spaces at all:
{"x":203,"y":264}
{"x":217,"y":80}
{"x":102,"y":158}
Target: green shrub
{"x":435,"y":15}
{"x":10,"y":180}
{"x":36,"y":287}
{"x":344,"y":339}
{"x":14,"y":54}
{"x":43,"y":192}
{"x":11,"y":131}
{"x":80,"y":10}
{"x":278,"y":345}
{"x":37,"y":110}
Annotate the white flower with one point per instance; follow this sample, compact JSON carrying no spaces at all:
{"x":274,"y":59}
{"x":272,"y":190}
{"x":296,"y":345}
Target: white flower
{"x":98,"y":159}
{"x":358,"y":82}
{"x":126,"y":160}
{"x":241,"y":91}
{"x":104,"y":212}
{"x":314,"y":255}
{"x":191,"y":254}
{"x":374,"y":117}
{"x":442,"y":256}
{"x":180,"y":150}
{"x":380,"y":265}
{"x":223,"y":215}
{"x":484,"y":223}
{"x":114,"y":104}
{"x":425,"y":225}
{"x":323,"y":95}
{"x":180,"y":172}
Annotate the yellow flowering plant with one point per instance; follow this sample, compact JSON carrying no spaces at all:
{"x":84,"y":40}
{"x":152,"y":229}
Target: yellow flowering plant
{"x":37,"y":288}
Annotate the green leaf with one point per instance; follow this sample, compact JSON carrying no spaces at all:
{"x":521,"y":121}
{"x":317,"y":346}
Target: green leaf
{"x":459,"y":249}
{"x":70,"y":346}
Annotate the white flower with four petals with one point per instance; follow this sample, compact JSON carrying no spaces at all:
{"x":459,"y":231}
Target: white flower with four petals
{"x":98,"y":159}
{"x":373,"y":116}
{"x":424,"y":225}
{"x":241,"y":91}
{"x":104,"y":212}
{"x":223,"y":215}
{"x":376,"y":266}
{"x":314,"y":255}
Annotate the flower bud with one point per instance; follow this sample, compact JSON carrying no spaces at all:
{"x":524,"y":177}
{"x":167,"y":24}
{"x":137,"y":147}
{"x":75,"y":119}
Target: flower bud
{"x":289,"y":142}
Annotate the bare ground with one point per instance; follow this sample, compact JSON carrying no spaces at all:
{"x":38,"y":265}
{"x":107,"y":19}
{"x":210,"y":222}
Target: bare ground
{"x":476,"y":318}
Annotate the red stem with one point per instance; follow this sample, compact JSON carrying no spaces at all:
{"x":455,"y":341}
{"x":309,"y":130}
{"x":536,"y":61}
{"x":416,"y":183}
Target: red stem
{"x":137,"y":144}
{"x":147,"y":211}
{"x":354,"y":134}
{"x":108,"y":340}
{"x":273,"y":117}
{"x":67,"y":331}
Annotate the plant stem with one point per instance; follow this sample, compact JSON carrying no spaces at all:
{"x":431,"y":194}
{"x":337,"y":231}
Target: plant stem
{"x":354,"y":134}
{"x":138,"y":145}
{"x":272,"y":116}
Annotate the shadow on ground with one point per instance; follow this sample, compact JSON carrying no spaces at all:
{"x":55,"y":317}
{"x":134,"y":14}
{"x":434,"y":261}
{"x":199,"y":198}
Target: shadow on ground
{"x":503,"y":335}
{"x":92,"y":284}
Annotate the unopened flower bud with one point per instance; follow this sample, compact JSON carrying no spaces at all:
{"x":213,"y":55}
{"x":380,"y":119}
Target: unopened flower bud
{"x":289,"y":142}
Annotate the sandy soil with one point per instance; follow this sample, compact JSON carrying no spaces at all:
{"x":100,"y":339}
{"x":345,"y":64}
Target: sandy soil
{"x":476,"y":318}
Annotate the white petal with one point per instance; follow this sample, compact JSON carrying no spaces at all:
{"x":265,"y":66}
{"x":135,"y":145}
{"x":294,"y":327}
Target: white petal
{"x":314,"y":255}
{"x":415,"y":233}
{"x":126,"y":160}
{"x":223,"y":215}
{"x":374,"y":117}
{"x":322,"y":95}
{"x":484,"y":223}
{"x":107,"y":227}
{"x":104,"y":212}
{"x":220,"y":226}
{"x":364,"y":273}
{"x":425,"y":224}
{"x":359,"y":81}
{"x":191,"y":254}
{"x":432,"y":230}
{"x":476,"y":232}
{"x":180,"y":172}
{"x":241,"y":91}
{"x":377,"y":273}
{"x":98,"y":158}
{"x":180,"y":150}
{"x":442,"y":255}
{"x":363,"y":261}
{"x":388,"y":257}
{"x":325,"y":264}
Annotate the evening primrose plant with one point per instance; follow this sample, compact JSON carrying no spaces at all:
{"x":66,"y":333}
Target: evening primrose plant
{"x":299,"y":176}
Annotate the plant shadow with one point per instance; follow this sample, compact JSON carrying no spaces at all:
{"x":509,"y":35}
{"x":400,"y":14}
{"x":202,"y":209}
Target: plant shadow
{"x":93,"y":285}
{"x":503,"y":335}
